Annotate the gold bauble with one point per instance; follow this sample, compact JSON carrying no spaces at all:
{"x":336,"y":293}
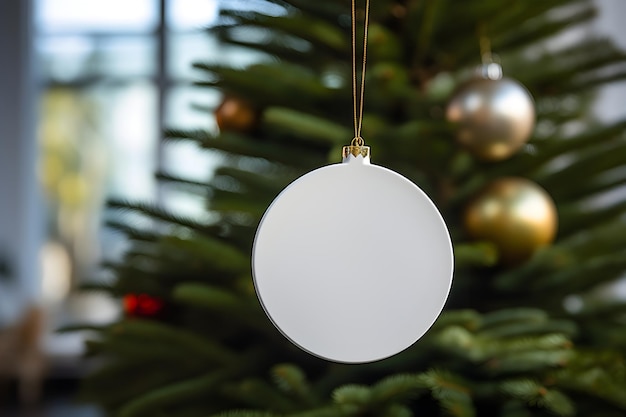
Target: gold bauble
{"x":236,"y":115}
{"x":493,"y":117}
{"x":516,"y":215}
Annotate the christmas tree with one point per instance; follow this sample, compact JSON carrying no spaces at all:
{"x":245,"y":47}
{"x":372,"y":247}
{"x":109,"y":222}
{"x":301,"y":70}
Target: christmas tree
{"x":530,"y":327}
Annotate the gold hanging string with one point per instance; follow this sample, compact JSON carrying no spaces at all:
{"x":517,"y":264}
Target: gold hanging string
{"x":357,"y":98}
{"x":485,"y":44}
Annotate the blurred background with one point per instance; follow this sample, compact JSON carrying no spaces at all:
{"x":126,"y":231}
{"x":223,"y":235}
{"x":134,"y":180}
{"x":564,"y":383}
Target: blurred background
{"x":86,"y":88}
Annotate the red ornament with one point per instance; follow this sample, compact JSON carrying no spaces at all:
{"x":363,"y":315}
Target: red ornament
{"x":142,"y":305}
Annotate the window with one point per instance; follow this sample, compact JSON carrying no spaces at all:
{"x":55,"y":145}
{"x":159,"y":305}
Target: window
{"x":113,"y":74}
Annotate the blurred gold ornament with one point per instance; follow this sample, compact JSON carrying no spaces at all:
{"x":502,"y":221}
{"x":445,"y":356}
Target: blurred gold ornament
{"x":494,"y":116}
{"x":236,"y":115}
{"x":516,"y":215}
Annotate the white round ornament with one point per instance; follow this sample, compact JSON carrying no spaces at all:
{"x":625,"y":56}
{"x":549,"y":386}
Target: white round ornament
{"x":352,"y":262}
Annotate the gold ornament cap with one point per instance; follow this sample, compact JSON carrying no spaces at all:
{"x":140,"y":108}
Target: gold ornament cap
{"x":355,"y":149}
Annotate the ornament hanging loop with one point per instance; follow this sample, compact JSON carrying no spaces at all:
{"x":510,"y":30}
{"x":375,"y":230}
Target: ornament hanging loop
{"x":490,"y":68}
{"x":357,"y":141}
{"x":358,"y":96}
{"x":357,"y":145}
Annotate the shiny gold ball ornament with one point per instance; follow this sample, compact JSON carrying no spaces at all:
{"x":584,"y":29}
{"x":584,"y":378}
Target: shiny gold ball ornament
{"x":515,"y":214}
{"x":236,"y":115}
{"x":494,"y":116}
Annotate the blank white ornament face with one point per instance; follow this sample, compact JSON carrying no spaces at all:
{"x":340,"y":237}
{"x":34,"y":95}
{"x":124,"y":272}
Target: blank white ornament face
{"x":352,"y":262}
